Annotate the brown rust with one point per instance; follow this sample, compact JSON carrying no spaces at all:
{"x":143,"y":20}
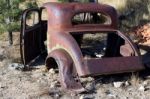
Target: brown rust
{"x":66,"y":73}
{"x":65,"y":52}
{"x":112,"y":65}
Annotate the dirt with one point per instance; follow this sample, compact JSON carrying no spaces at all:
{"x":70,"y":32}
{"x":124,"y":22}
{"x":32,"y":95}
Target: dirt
{"x":37,"y":83}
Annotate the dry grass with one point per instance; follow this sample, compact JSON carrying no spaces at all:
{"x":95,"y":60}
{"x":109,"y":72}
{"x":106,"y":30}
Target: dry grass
{"x":135,"y":79}
{"x":11,"y":53}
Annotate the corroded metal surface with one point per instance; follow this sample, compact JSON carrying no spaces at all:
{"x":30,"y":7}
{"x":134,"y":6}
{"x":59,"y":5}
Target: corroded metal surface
{"x":64,"y":49}
{"x":66,"y":74}
{"x":112,"y":65}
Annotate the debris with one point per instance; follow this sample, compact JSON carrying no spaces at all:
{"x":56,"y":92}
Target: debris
{"x":127,"y":83}
{"x":52,"y":71}
{"x":118,"y":84}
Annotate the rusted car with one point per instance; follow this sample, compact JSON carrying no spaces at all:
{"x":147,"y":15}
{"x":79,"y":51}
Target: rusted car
{"x":68,"y":31}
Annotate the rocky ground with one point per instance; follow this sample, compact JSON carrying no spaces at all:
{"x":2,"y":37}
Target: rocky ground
{"x":37,"y":83}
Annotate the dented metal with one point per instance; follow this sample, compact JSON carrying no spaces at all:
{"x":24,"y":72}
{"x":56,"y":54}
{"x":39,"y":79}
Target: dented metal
{"x":64,"y":49}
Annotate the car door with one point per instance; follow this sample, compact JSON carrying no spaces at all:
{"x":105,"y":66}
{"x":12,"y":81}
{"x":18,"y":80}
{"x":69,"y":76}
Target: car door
{"x":31,"y":42}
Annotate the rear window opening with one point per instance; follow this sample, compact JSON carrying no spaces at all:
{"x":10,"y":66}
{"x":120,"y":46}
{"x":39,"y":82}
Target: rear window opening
{"x":91,"y":18}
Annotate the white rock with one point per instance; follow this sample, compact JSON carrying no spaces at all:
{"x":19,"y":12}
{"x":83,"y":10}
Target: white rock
{"x":104,"y":48}
{"x":57,"y":95}
{"x":16,"y":66}
{"x":118,"y":84}
{"x":143,"y":51}
{"x":145,"y":83}
{"x":86,"y":97}
{"x":141,"y":88}
{"x":54,"y":84}
{"x":81,"y":97}
{"x":127,"y":83}
{"x":52,"y":71}
{"x":99,"y":55}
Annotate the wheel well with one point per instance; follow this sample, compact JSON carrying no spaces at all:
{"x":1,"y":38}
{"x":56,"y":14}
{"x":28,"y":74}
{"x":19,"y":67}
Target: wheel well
{"x":51,"y":63}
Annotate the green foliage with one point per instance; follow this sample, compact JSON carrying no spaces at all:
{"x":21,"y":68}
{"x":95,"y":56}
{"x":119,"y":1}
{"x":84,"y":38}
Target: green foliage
{"x":63,"y":0}
{"x":10,"y":13}
{"x":73,"y":0}
{"x":31,"y":4}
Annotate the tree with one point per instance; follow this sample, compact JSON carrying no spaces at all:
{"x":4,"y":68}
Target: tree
{"x":10,"y":13}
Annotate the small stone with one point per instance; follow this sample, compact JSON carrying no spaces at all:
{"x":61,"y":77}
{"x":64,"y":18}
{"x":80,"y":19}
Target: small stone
{"x":54,"y":84}
{"x":127,"y":83}
{"x":82,"y":97}
{"x":130,"y":89}
{"x":99,"y":55}
{"x":118,"y":84}
{"x":104,"y":48}
{"x":143,"y":51}
{"x":52,"y":71}
{"x":112,"y":95}
{"x":86,"y":97}
{"x":57,"y":95}
{"x":16,"y":66}
{"x":141,"y":88}
{"x":145,"y":83}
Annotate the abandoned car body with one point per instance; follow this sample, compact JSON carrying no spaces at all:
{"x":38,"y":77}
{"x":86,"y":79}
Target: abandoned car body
{"x":64,"y":37}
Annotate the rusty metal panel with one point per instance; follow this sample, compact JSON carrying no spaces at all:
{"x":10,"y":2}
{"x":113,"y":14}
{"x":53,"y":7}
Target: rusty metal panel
{"x":112,"y":65}
{"x":62,"y":14}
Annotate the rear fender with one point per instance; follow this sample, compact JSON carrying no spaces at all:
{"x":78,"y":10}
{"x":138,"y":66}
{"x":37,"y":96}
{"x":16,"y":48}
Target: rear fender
{"x":66,"y":42}
{"x":66,"y":69}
